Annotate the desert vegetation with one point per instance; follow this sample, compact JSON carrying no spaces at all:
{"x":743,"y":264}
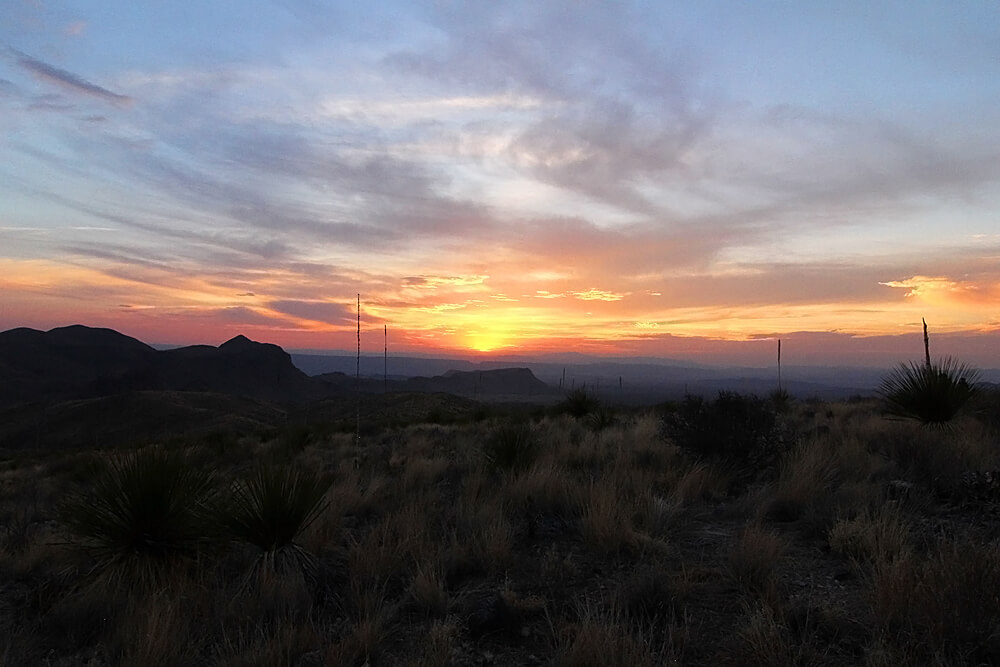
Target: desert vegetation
{"x":726,"y":530}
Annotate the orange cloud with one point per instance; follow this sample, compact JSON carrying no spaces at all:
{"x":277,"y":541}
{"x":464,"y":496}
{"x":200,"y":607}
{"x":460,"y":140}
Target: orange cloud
{"x":941,"y":289}
{"x":594,"y":294}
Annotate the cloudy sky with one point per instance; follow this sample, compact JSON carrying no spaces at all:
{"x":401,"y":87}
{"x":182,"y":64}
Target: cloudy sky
{"x":660,"y":178}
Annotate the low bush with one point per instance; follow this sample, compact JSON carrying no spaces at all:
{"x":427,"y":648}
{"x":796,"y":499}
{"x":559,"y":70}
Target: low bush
{"x":742,"y":429}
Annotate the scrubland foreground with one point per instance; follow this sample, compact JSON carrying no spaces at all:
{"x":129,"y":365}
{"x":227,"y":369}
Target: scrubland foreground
{"x":736,"y":531}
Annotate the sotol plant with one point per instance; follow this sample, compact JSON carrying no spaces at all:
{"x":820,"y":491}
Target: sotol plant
{"x":931,"y":393}
{"x":580,"y":402}
{"x":146,"y":510}
{"x":270,"y":510}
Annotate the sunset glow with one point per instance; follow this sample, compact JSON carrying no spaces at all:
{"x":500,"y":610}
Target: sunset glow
{"x":647,"y":179}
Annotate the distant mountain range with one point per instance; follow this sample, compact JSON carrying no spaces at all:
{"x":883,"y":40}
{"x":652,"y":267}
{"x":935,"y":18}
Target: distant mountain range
{"x":80,"y":386}
{"x":515,"y":384}
{"x":79,"y":362}
{"x":628,"y":381}
{"x":82,"y":362}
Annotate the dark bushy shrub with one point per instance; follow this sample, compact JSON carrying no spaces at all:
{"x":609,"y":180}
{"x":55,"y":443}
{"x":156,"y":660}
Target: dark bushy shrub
{"x":733,"y":427}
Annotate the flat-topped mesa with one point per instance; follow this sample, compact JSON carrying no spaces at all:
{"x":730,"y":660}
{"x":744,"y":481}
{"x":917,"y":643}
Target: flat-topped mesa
{"x":498,"y":381}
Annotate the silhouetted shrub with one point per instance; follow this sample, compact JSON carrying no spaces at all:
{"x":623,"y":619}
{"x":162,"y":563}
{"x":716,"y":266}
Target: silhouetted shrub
{"x":781,"y":400}
{"x":732,"y":427}
{"x":145,"y":510}
{"x":580,"y":403}
{"x":270,"y":510}
{"x":931,"y":393}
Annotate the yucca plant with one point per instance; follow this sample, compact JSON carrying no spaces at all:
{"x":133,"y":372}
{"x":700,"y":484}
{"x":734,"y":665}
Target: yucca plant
{"x":931,"y":393}
{"x":580,"y":402}
{"x":145,"y":512}
{"x":270,"y":510}
{"x":603,"y":417}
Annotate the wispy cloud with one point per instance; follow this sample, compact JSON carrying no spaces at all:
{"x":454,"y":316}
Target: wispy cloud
{"x":594,"y":294}
{"x":317,"y":311}
{"x":625,"y":173}
{"x":69,"y":81}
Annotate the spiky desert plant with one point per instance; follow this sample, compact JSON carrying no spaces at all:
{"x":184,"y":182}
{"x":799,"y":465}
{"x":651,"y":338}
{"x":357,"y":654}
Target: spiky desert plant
{"x":270,"y":510}
{"x":145,"y":511}
{"x":931,"y":393}
{"x":580,"y":402}
{"x":601,"y":418}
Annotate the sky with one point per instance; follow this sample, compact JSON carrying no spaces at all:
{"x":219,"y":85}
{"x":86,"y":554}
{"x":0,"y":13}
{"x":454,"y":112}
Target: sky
{"x":656,"y":179}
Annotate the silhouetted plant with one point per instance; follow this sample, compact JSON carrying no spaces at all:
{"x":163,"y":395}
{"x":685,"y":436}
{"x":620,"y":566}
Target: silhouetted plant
{"x":511,"y":446}
{"x":270,"y":510}
{"x":780,"y":399}
{"x":145,"y":511}
{"x":580,"y":402}
{"x":602,"y":417}
{"x":733,"y":426}
{"x":931,"y":393}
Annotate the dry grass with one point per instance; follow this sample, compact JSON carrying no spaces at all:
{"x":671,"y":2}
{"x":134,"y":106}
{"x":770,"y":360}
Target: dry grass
{"x":762,"y":639}
{"x":284,"y":645}
{"x":945,"y":603}
{"x":546,"y":489}
{"x":610,"y":547}
{"x":157,"y":632}
{"x":607,"y":520}
{"x":880,"y":536}
{"x":439,"y":645}
{"x":822,"y":480}
{"x":604,"y":638}
{"x":701,"y":482}
{"x":753,"y":558}
{"x":428,"y":591}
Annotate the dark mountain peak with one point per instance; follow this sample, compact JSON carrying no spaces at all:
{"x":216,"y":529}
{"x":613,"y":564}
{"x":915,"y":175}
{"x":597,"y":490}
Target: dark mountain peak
{"x":73,"y":336}
{"x":246,"y":348}
{"x":239,"y":342}
{"x":78,"y":334}
{"x":83,"y":362}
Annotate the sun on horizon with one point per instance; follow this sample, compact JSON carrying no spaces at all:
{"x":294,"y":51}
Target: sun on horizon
{"x":627,"y":179}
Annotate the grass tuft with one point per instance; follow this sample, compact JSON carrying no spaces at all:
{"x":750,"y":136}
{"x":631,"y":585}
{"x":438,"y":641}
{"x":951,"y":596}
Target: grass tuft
{"x":512,"y":447}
